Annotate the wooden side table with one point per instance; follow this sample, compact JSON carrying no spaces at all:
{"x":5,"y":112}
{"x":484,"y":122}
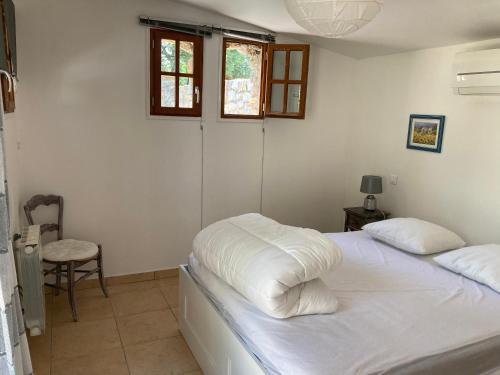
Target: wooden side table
{"x":356,"y":217}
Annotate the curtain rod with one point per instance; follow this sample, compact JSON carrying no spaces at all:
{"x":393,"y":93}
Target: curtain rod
{"x":206,"y":30}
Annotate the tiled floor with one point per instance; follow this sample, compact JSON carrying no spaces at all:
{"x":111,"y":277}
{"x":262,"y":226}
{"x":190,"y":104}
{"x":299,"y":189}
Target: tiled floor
{"x":133,"y":332}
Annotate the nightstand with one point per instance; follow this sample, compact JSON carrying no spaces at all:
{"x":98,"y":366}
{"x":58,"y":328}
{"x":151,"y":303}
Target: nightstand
{"x":356,"y":217}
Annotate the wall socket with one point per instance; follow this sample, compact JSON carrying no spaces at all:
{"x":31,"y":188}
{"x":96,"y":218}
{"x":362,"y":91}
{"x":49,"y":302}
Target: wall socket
{"x":393,"y":178}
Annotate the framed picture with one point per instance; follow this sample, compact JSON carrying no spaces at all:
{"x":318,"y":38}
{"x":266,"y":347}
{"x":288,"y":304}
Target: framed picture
{"x":425,"y":133}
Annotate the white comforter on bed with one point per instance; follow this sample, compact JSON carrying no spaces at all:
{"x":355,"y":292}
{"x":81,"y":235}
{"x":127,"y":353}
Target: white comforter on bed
{"x":274,"y":266}
{"x":395,"y":309}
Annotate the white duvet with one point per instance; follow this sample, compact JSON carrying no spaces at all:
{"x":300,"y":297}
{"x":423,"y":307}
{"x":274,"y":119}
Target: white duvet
{"x":274,"y":266}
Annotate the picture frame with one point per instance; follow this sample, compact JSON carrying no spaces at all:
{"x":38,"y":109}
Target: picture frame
{"x":425,"y":133}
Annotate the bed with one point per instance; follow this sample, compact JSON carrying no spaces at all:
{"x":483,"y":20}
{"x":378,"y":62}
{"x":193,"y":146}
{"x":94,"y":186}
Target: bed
{"x":399,"y":315}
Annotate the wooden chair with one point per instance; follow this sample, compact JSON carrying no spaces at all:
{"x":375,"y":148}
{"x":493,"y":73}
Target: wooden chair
{"x":66,"y":256}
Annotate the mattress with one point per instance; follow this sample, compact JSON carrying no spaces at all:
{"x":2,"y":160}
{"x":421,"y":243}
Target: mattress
{"x":399,"y":314}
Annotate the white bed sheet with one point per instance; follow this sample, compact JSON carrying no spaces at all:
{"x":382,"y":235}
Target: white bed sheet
{"x":395,"y":308}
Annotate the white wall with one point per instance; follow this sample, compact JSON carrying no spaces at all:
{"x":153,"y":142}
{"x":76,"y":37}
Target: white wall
{"x":135,"y":184}
{"x":459,"y":188}
{"x":305,"y":161}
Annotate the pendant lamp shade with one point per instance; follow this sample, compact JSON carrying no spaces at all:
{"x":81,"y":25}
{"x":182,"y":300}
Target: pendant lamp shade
{"x":333,"y":18}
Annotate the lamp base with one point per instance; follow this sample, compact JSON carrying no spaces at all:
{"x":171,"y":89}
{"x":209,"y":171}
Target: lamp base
{"x":370,"y":203}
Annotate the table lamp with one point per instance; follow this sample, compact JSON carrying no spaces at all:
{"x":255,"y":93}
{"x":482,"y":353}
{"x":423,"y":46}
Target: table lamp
{"x":371,"y":185}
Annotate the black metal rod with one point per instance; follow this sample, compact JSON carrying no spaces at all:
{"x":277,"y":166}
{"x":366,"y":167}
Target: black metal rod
{"x":206,"y":30}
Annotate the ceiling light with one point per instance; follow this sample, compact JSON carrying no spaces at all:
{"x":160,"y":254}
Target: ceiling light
{"x":333,"y":18}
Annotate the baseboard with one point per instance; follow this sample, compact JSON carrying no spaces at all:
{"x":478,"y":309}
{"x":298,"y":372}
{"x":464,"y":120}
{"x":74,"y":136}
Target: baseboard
{"x":126,"y":279}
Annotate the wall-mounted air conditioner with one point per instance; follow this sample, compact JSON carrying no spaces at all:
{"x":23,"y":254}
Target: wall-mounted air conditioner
{"x":477,"y":73}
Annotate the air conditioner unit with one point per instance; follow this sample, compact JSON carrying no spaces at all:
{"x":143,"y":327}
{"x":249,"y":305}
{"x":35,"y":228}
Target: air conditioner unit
{"x":477,"y":73}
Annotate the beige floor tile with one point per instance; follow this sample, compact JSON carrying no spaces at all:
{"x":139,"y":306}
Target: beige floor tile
{"x":83,"y":338}
{"x":167,"y":282}
{"x":171,"y":294}
{"x":138,"y":302}
{"x":91,"y":292}
{"x":149,"y":326}
{"x":40,"y":347}
{"x":41,"y":367}
{"x":60,"y":299}
{"x":176,"y":312}
{"x":88,"y":308}
{"x":48,"y":312}
{"x":109,"y":362}
{"x":87,"y":284}
{"x":168,"y":356}
{"x":131,"y":287}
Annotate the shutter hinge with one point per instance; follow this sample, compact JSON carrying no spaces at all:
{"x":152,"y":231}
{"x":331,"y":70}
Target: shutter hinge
{"x":153,"y":101}
{"x":152,"y":43}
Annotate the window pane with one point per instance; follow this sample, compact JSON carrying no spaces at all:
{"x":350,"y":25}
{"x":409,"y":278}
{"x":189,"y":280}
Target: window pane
{"x":295,"y":70}
{"x":277,"y":91}
{"x":186,"y":51}
{"x":242,"y":79}
{"x":168,"y":55}
{"x":293,"y":100}
{"x":185,"y":92}
{"x":279,"y":59}
{"x":168,"y":91}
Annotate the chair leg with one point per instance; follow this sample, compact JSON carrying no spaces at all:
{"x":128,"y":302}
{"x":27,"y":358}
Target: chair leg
{"x":102,"y":281}
{"x":58,"y":280}
{"x":71,"y":290}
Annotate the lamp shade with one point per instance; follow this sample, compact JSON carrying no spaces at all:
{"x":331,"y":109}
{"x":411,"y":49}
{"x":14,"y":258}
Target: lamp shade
{"x":333,"y":18}
{"x":371,"y":185}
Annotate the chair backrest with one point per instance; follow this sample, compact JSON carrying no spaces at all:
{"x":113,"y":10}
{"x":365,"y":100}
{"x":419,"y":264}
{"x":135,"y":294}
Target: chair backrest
{"x":46,"y":200}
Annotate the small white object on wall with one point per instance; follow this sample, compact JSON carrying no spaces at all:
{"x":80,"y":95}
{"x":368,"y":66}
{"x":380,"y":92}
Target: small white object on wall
{"x":333,"y":18}
{"x":394,"y":179}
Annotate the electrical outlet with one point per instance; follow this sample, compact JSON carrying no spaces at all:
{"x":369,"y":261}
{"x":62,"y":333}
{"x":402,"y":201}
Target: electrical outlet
{"x":394,"y":179}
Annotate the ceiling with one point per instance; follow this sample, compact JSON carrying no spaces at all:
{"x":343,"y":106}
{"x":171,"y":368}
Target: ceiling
{"x":401,"y":25}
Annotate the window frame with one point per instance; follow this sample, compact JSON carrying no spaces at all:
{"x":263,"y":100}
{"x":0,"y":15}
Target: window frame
{"x":155,"y":108}
{"x":267,"y":80}
{"x":263,"y":67}
{"x":9,"y":52}
{"x":305,"y":48}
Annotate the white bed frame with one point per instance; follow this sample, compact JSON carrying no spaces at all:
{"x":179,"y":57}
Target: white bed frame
{"x":216,"y":347}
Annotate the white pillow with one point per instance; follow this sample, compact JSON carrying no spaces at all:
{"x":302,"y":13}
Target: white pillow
{"x":414,"y":235}
{"x":479,"y":263}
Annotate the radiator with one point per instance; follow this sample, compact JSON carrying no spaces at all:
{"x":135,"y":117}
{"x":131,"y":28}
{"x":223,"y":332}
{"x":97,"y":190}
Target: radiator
{"x":31,"y":279}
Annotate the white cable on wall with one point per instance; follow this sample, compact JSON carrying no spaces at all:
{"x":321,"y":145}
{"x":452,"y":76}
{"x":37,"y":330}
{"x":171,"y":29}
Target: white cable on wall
{"x":202,"y":170}
{"x":262,"y":166}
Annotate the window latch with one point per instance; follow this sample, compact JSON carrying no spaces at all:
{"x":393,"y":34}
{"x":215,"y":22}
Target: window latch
{"x":197,"y":93}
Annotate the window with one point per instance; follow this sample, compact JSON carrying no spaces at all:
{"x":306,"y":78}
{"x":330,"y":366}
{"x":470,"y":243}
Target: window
{"x":262,"y":80}
{"x":8,"y":62}
{"x":287,"y":80}
{"x":242,"y":79}
{"x":176,"y":73}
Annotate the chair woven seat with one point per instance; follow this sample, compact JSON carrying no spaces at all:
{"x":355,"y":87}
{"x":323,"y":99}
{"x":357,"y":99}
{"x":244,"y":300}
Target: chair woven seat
{"x":67,"y":250}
